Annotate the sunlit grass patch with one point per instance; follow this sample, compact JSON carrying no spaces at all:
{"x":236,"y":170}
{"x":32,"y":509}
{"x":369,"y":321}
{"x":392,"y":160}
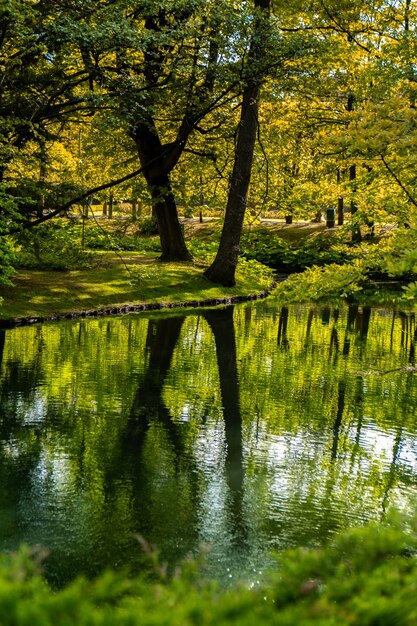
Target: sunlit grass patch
{"x":131,"y":280}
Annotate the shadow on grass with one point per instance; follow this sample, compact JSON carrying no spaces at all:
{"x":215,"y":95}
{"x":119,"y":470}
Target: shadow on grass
{"x":132,"y":280}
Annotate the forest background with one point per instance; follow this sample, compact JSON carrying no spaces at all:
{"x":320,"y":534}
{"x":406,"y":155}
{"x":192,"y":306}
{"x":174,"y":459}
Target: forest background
{"x":240,"y":111}
{"x":235,"y":110}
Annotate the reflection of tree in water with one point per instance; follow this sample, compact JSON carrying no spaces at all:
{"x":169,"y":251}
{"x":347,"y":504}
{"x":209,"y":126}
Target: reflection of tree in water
{"x":20,"y":442}
{"x":341,"y":393}
{"x":152,"y":454}
{"x":357,"y":324}
{"x":408,"y":333}
{"x":349,"y":395}
{"x":222,"y":325}
{"x":396,"y":470}
{"x":282,"y":339}
{"x":148,"y":404}
{"x":18,"y":388}
{"x":135,"y":467}
{"x":149,"y":412}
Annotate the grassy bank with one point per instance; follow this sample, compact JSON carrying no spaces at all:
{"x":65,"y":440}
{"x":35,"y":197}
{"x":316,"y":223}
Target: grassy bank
{"x":365,"y":577}
{"x":132,"y":277}
{"x":129,"y":276}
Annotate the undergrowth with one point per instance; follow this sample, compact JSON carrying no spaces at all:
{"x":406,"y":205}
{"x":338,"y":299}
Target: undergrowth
{"x":364,"y":576}
{"x":68,"y":245}
{"x":324,"y":265}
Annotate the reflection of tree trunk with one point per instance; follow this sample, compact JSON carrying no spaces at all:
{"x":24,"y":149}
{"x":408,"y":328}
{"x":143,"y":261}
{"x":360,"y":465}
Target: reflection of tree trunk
{"x":308,"y":328}
{"x":152,"y":460}
{"x":339,"y":417}
{"x":2,"y":342}
{"x":351,"y":317}
{"x":334,"y":342}
{"x":358,"y":415}
{"x":352,"y":314}
{"x":248,"y":319}
{"x":404,"y":330}
{"x":282,"y":328}
{"x":362,"y":322}
{"x":407,"y":325}
{"x":412,"y":355}
{"x":161,"y":340}
{"x":325,"y":315}
{"x":222,"y":326}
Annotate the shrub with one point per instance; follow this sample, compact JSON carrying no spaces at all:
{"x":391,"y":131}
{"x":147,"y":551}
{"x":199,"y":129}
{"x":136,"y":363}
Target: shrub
{"x":7,"y":263}
{"x":204,"y":249}
{"x":364,"y":576}
{"x":323,"y":283}
{"x":252,"y":269}
{"x":283,"y":255}
{"x":53,"y":246}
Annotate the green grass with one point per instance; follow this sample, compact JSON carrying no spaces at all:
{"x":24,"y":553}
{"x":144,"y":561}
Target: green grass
{"x":136,"y":279}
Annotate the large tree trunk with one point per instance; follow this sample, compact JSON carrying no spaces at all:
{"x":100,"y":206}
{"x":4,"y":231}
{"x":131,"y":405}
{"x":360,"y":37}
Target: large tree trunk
{"x":153,"y":157}
{"x":173,"y":244}
{"x":223,"y":268}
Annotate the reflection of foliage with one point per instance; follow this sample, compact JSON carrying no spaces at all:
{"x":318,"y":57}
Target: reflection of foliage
{"x":328,"y":429}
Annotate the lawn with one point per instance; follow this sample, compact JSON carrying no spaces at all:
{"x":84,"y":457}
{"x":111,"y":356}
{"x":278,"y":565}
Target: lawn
{"x":129,"y":279}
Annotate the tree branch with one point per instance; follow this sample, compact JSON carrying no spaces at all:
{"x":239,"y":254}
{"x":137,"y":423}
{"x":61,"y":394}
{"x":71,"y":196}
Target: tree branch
{"x":201,"y":153}
{"x":78,"y":199}
{"x":398,"y":181}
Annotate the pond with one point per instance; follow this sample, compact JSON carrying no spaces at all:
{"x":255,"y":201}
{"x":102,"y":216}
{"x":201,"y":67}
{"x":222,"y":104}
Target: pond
{"x":233,"y":432}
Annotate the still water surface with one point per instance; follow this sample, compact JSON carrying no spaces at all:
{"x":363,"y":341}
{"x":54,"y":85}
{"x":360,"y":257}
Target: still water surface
{"x":245,"y":429}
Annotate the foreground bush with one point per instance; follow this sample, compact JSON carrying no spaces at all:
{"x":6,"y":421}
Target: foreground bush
{"x":365,"y":577}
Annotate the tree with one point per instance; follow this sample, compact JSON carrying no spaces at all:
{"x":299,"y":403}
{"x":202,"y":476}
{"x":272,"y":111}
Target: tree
{"x":223,"y":268}
{"x":171,"y":65}
{"x":42,"y":92}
